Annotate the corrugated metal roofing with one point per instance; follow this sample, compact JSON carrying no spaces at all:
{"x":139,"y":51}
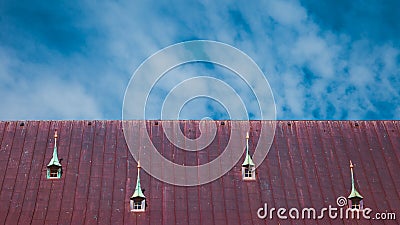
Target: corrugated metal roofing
{"x":307,"y":166}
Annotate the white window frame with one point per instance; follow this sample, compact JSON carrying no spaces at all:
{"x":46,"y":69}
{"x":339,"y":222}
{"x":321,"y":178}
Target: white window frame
{"x":138,"y":206}
{"x":248,"y":173}
{"x":53,"y":173}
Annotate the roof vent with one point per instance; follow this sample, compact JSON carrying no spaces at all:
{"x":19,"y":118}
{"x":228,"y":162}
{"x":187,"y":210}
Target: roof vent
{"x":248,"y":166}
{"x":356,"y":199}
{"x":54,"y":168}
{"x":138,"y":200}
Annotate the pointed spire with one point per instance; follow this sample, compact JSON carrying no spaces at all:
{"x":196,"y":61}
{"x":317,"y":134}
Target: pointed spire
{"x":138,"y":190}
{"x":54,"y":160}
{"x":354,"y":193}
{"x":247,"y":160}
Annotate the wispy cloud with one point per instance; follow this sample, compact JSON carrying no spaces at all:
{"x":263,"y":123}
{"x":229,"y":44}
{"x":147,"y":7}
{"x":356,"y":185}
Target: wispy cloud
{"x":74,"y":61}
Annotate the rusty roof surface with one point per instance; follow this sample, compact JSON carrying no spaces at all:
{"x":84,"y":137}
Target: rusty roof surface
{"x":307,"y":166}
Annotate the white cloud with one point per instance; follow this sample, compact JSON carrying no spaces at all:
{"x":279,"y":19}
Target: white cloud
{"x":48,"y":100}
{"x":347,"y":78}
{"x":41,"y":94}
{"x":288,"y":13}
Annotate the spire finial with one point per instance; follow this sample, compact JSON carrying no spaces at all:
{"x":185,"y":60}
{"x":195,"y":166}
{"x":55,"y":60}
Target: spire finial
{"x":138,"y":190}
{"x":352,"y":175}
{"x":247,"y":160}
{"x":354,"y":193}
{"x":138,"y":173}
{"x":54,"y":160}
{"x":247,"y":143}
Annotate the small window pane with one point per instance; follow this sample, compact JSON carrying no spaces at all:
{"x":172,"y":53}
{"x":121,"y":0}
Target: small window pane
{"x":53,"y":172}
{"x":246,"y":172}
{"x":137,"y":205}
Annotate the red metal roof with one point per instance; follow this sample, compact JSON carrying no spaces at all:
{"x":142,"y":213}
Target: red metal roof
{"x":307,"y":166}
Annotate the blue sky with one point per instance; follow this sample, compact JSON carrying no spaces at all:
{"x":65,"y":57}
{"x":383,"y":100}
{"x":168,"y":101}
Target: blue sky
{"x":323,"y":59}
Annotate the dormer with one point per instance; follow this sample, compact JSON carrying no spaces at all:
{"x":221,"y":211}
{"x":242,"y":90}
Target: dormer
{"x":248,"y":166}
{"x":54,"y":168}
{"x":355,"y":198}
{"x":138,"y":200}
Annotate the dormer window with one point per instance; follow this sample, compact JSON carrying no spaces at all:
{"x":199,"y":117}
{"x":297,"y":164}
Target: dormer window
{"x":355,"y":198}
{"x":356,"y":203}
{"x":355,"y":206}
{"x":54,"y":172}
{"x":248,"y":166}
{"x":248,"y":173}
{"x":138,"y":204}
{"x":54,"y":168}
{"x":138,"y":200}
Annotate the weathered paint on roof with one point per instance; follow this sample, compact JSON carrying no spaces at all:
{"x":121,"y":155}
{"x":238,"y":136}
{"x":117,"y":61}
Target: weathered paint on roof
{"x":307,"y":166}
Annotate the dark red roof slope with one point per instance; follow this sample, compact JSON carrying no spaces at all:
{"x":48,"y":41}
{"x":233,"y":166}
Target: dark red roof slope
{"x":307,"y":166}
